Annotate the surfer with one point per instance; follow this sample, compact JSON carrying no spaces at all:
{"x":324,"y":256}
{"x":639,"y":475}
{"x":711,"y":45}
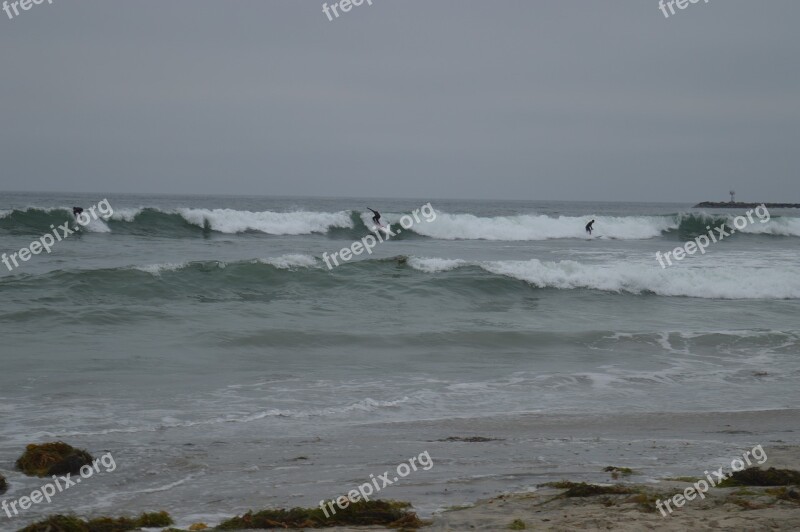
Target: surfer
{"x":76,"y":211}
{"x":376,"y":218}
{"x":589,"y":227}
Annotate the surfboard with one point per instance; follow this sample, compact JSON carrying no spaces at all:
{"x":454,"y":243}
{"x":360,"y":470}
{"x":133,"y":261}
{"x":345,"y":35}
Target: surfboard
{"x":77,"y":226}
{"x":381,"y":227}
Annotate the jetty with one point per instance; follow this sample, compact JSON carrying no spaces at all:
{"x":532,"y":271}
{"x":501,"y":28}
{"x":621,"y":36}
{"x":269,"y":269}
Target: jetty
{"x":744,"y":205}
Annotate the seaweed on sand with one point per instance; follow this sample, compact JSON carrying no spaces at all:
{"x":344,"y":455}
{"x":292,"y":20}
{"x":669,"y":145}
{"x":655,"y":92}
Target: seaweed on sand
{"x":644,"y":498}
{"x":759,"y":477}
{"x":582,"y":489}
{"x":470,"y":439}
{"x":67,"y":523}
{"x":361,"y":513}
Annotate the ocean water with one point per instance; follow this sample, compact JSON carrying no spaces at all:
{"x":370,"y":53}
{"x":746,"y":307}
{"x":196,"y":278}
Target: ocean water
{"x":204,"y":342}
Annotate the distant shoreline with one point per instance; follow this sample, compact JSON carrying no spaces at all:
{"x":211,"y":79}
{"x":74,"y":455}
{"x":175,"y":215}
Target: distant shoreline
{"x":742,"y":205}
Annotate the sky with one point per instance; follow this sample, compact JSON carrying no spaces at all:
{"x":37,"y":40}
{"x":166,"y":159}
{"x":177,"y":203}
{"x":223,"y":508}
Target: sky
{"x":508,"y":99}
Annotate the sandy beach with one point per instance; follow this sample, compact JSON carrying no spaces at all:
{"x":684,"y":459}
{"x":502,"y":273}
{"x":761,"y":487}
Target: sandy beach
{"x":661,"y":466}
{"x":723,"y":509}
{"x":494,"y":473}
{"x":733,"y":508}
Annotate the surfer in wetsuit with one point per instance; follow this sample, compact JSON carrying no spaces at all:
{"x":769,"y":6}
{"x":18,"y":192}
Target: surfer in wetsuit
{"x":76,"y":211}
{"x":589,"y":227}
{"x":377,"y":217}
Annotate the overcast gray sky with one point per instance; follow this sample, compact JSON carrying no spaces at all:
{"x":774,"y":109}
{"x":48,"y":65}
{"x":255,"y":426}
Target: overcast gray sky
{"x":518,"y":99}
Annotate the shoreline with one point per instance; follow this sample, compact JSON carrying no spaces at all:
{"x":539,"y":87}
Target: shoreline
{"x":550,"y":507}
{"x":656,"y":446}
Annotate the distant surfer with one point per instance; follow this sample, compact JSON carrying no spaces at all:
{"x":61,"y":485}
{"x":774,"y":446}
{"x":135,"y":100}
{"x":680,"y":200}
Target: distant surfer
{"x":376,"y":218}
{"x":589,"y":227}
{"x":77,"y":212}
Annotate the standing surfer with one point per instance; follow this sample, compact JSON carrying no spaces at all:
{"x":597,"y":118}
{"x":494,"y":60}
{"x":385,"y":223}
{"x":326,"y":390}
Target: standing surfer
{"x":589,"y":227}
{"x":376,"y":218}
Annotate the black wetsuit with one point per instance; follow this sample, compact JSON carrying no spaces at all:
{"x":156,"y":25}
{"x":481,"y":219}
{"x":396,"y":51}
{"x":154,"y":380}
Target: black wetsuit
{"x":589,"y":227}
{"x":76,"y":211}
{"x":377,"y":217}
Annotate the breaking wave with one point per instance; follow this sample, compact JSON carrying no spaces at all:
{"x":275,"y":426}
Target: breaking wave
{"x":189,"y":222}
{"x":262,"y":277}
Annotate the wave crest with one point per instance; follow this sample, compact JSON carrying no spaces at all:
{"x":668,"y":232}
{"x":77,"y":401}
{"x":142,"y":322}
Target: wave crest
{"x":543,"y":227}
{"x":189,"y":222}
{"x":273,"y":223}
{"x":263,"y":276}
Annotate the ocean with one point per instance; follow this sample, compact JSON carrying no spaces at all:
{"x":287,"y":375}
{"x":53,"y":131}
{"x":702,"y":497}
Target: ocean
{"x":204,"y":342}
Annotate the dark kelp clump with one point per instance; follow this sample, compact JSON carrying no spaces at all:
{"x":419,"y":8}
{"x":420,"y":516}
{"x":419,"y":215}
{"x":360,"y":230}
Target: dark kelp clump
{"x":471,"y":439}
{"x":759,"y":477}
{"x":58,"y":523}
{"x":785,"y":494}
{"x":643,"y":497}
{"x":56,"y":458}
{"x":582,"y":489}
{"x":64,"y":523}
{"x":362,"y":513}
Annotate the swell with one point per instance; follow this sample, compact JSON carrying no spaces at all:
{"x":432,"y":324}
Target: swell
{"x":269,"y":278}
{"x":674,"y":344}
{"x":489,"y":338}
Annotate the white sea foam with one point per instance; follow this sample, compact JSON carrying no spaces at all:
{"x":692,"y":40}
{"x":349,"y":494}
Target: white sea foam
{"x":542,"y":227}
{"x":433,"y":264}
{"x":126,"y":215}
{"x":274,"y":223}
{"x":776,"y":225}
{"x":291,"y":261}
{"x":96,"y":226}
{"x":782,"y":226}
{"x":724,"y":281}
{"x":156,"y":269}
{"x":711,"y":282}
